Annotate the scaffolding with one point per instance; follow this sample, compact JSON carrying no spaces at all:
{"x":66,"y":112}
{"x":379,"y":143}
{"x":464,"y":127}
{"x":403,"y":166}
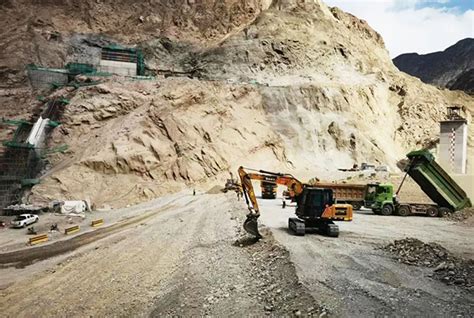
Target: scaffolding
{"x":17,"y":164}
{"x":21,"y":156}
{"x":43,"y":78}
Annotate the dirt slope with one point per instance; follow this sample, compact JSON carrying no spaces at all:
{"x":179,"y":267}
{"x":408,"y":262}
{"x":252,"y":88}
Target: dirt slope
{"x":286,"y":85}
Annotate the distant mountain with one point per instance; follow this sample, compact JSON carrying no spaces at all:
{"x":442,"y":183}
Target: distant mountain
{"x":453,"y":68}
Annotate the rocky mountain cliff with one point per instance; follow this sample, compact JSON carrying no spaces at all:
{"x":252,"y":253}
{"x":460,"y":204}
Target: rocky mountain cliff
{"x":451,"y":68}
{"x":284,"y":85}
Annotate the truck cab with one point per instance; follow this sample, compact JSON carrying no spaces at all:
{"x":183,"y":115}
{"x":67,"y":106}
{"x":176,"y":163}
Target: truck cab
{"x":382,"y":198}
{"x":370,"y":194}
{"x":269,"y":189}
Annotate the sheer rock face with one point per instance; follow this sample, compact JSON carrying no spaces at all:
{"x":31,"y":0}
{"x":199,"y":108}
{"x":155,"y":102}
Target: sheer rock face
{"x":38,"y":31}
{"x":291,"y":86}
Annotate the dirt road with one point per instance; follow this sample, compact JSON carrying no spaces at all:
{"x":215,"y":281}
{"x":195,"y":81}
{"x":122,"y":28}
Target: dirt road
{"x":186,"y":260}
{"x":190,"y":257}
{"x":352,"y":277}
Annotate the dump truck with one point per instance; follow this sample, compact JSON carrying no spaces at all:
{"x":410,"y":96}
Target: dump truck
{"x":353,"y":194}
{"x":269,"y":190}
{"x":432,"y":179}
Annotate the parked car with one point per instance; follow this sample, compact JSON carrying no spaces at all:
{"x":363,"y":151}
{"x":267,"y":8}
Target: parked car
{"x":23,"y":220}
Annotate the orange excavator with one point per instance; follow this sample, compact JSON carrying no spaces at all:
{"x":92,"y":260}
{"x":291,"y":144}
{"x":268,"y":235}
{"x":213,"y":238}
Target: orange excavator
{"x":315,"y":207}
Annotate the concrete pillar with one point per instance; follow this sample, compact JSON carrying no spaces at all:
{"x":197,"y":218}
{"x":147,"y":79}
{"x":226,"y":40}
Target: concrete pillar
{"x":453,"y":145}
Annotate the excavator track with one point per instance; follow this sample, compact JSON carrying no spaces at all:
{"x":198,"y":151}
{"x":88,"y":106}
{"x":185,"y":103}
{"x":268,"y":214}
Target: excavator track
{"x":325,"y":227}
{"x":332,"y":230}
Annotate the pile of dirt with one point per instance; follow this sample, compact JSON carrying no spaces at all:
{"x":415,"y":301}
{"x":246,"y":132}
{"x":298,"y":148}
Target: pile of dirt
{"x":446,"y":267}
{"x":279,"y":289}
{"x":465,"y":215}
{"x":215,"y":190}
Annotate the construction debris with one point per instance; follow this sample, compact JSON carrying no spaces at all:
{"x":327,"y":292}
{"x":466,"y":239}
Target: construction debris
{"x":70,"y":207}
{"x":446,"y":267}
{"x":461,"y":216}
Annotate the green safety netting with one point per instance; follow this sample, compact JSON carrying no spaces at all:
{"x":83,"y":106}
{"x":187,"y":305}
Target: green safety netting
{"x":80,"y":68}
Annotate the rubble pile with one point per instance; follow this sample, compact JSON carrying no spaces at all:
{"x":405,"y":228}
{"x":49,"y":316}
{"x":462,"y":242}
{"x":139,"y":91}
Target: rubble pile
{"x":446,"y":267}
{"x":461,"y":216}
{"x":275,"y":288}
{"x":280,"y":294}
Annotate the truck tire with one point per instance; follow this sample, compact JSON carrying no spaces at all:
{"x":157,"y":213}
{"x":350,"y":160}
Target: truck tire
{"x":432,"y":211}
{"x":387,"y":209}
{"x":403,"y":210}
{"x":356,"y":206}
{"x":443,"y":212}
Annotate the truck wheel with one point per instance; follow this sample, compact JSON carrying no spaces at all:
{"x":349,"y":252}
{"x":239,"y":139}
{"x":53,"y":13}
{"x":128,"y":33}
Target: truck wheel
{"x":432,"y":211}
{"x":404,"y":210}
{"x":387,"y":209}
{"x":356,"y":206}
{"x":443,"y":212}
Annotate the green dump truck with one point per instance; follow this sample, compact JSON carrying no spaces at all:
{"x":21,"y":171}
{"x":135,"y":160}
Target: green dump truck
{"x":432,"y":179}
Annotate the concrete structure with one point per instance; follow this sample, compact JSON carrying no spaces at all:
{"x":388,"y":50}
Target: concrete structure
{"x":119,"y":68}
{"x":453,"y":142}
{"x":120,"y":60}
{"x":37,"y":132}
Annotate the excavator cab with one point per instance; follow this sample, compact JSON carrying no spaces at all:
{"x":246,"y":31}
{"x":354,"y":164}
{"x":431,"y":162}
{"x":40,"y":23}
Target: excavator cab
{"x":316,"y":211}
{"x":312,"y":202}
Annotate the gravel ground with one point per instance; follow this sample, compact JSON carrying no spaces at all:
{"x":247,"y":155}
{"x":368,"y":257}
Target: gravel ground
{"x":14,"y":239}
{"x":353,"y":277}
{"x":190,"y":259}
{"x":187,"y":255}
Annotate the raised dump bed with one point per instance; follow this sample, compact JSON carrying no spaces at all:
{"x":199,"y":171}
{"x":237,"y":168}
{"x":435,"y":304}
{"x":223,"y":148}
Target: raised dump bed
{"x":435,"y":182}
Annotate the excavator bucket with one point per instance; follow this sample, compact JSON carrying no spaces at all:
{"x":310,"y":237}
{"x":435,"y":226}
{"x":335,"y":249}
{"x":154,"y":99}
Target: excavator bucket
{"x":251,"y":225}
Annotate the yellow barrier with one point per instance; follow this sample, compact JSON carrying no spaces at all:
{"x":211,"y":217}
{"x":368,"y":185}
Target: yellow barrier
{"x":98,"y":222}
{"x":71,"y":230}
{"x":38,"y":239}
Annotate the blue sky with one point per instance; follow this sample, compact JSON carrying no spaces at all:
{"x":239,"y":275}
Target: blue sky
{"x":421,"y":26}
{"x":462,"y":5}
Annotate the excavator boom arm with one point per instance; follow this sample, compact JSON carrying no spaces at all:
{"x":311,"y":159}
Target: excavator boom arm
{"x":249,"y":193}
{"x":250,"y":224}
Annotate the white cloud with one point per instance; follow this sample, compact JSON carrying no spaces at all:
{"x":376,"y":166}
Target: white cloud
{"x":407,"y":28}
